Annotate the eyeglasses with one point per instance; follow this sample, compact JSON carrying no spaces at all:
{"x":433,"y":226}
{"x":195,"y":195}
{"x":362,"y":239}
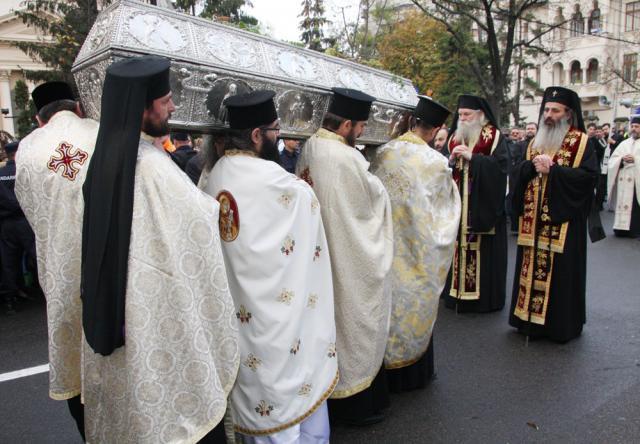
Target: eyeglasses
{"x":276,"y":129}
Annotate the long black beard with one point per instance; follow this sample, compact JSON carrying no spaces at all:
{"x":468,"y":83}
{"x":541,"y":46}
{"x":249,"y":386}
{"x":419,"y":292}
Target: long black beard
{"x":156,"y":129}
{"x":269,"y":151}
{"x":351,"y":138}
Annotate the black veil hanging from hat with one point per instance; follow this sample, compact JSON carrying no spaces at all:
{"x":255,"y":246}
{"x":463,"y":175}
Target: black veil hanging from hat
{"x":108,"y":195}
{"x":473,"y":102}
{"x":566,"y":97}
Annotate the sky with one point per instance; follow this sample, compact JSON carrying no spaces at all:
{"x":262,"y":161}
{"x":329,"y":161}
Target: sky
{"x":280,"y":17}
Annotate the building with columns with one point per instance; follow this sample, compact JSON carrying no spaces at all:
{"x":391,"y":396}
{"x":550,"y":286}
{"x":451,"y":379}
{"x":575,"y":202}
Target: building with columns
{"x":13,"y":62}
{"x":594,"y":51}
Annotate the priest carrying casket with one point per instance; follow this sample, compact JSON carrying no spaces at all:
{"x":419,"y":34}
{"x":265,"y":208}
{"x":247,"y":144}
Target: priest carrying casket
{"x":426,"y":213}
{"x":280,"y":279}
{"x":357,"y":215}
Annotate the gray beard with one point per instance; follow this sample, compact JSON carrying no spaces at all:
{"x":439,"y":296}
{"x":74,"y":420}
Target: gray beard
{"x":468,"y":132}
{"x":549,"y":138}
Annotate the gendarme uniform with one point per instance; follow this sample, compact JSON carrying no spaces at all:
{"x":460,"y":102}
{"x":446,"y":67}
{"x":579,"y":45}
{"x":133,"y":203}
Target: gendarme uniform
{"x":357,"y":216}
{"x":426,"y":214}
{"x":280,"y":279}
{"x":161,"y":352}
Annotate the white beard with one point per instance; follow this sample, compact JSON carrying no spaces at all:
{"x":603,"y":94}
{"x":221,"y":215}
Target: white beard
{"x":468,"y":132}
{"x":549,"y":138}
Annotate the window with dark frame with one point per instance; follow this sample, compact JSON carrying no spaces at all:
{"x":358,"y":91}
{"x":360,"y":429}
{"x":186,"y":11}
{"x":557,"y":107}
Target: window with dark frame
{"x":576,"y":72}
{"x":577,"y":25}
{"x":594,"y":22}
{"x":632,"y":16}
{"x":630,"y":67}
{"x":592,"y":71}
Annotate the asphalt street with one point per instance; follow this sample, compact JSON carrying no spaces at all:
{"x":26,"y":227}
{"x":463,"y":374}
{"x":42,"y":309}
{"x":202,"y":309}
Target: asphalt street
{"x":489,"y":388}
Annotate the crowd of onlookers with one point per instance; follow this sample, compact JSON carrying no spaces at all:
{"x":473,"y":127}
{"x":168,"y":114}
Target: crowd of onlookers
{"x":602,"y":138}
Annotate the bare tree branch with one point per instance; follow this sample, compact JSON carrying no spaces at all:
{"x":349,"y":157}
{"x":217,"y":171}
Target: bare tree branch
{"x":475,"y":67}
{"x":619,"y":74}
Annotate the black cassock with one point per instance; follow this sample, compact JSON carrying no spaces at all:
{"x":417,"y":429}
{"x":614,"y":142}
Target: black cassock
{"x":414,"y":376}
{"x":570,"y":195}
{"x":486,"y":209}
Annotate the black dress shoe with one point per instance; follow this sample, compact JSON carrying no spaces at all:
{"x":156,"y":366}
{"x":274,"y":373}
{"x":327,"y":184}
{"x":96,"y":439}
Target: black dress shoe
{"x":362,"y":422}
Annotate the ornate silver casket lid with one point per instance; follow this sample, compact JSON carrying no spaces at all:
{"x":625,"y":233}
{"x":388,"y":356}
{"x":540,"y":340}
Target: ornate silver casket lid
{"x":210,"y":62}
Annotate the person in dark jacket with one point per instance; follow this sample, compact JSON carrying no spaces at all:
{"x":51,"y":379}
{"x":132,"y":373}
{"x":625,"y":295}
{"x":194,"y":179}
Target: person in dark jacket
{"x":206,"y":157}
{"x":16,"y":236}
{"x":289,"y":155}
{"x":184,"y":149}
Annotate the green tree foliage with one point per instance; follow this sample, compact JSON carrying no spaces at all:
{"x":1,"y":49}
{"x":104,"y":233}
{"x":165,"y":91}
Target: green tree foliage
{"x":66,"y":23}
{"x":229,"y":11}
{"x":25,"y":110}
{"x":311,"y":24}
{"x":358,"y":40}
{"x":496,"y":24}
{"x":420,"y":49}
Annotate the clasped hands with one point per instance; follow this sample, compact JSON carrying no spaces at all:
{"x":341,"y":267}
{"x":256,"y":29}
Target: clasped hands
{"x":461,"y":151}
{"x":628,"y":158}
{"x":542,"y":163}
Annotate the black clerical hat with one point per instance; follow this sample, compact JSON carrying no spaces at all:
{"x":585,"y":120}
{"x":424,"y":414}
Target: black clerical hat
{"x":50,"y":92}
{"x":478,"y":103}
{"x":11,"y":147}
{"x":430,"y":111}
{"x":566,"y":97}
{"x":634,"y":119}
{"x":473,"y":102}
{"x":251,"y":110}
{"x":351,"y":104}
{"x":470,"y":102}
{"x":108,"y":195}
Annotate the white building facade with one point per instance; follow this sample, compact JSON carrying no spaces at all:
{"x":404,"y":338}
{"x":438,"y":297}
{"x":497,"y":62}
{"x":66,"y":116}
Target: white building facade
{"x":594,"y":51}
{"x":14,"y":64}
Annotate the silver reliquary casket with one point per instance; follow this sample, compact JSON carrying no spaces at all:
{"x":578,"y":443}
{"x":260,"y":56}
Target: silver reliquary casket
{"x":210,"y":62}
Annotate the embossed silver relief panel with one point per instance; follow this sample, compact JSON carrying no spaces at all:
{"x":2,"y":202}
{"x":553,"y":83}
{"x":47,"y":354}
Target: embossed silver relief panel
{"x":90,"y":82}
{"x":155,"y":32}
{"x":99,"y":35}
{"x":228,"y":49}
{"x":350,"y":78}
{"x":296,"y":66}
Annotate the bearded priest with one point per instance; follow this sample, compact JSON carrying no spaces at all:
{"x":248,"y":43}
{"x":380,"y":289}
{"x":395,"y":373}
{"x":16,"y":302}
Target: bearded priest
{"x":479,"y":161}
{"x":549,"y":285}
{"x":624,"y":183}
{"x":357,"y":216}
{"x":280,"y":279}
{"x":426,"y":213}
{"x":161,"y":352}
